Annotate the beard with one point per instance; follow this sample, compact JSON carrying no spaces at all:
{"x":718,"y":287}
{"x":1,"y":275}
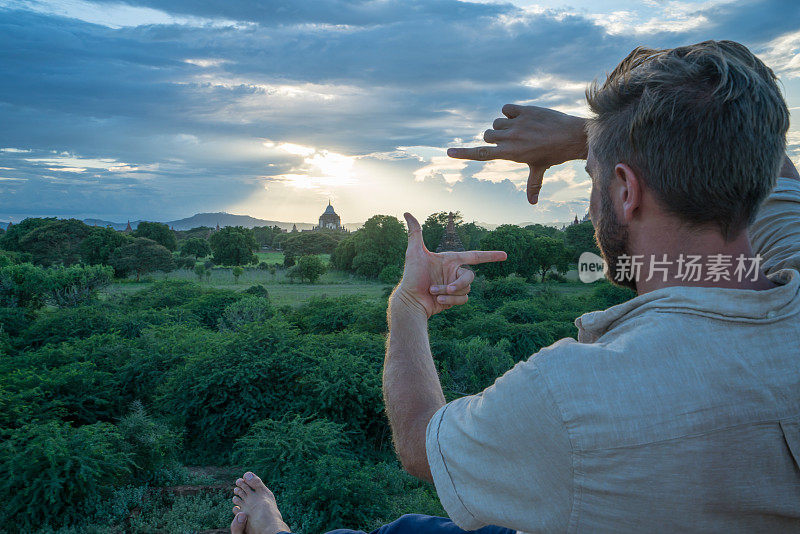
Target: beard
{"x":612,"y":240}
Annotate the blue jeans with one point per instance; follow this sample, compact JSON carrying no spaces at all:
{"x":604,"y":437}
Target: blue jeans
{"x":423,"y":524}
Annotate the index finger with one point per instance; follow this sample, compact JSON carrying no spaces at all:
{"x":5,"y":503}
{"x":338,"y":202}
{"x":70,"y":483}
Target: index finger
{"x":474,"y":257}
{"x":511,"y":110}
{"x":479,"y":153}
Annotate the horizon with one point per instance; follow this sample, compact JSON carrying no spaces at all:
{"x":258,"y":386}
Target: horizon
{"x":147,"y":108}
{"x":489,"y":225}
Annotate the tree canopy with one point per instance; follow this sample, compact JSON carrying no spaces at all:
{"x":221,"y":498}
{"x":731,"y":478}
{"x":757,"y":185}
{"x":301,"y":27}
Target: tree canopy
{"x":308,"y":268}
{"x":233,"y":245}
{"x":158,"y":232}
{"x":195,"y":246}
{"x":379,"y":243}
{"x":141,"y":256}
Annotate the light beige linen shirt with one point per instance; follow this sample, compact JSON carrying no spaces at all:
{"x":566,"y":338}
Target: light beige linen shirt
{"x":676,"y":411}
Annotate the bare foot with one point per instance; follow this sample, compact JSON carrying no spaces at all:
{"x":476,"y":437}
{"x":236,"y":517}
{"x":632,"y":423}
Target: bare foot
{"x":256,"y":510}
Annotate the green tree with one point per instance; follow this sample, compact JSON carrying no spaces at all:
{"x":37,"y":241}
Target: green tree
{"x":343,"y":254}
{"x":580,"y":238}
{"x":158,"y":232}
{"x":377,"y":244}
{"x":289,"y":259}
{"x":264,"y":235}
{"x":548,"y":253}
{"x":199,"y":270}
{"x":195,"y":246}
{"x":233,"y":245}
{"x":309,"y":268}
{"x":541,"y":230}
{"x":434,"y":225}
{"x":319,"y":242}
{"x":237,"y":271}
{"x":98,"y":246}
{"x":471,"y":235}
{"x":391,"y":274}
{"x":11,"y":239}
{"x":55,"y":242}
{"x":141,"y":256}
{"x":516,"y":242}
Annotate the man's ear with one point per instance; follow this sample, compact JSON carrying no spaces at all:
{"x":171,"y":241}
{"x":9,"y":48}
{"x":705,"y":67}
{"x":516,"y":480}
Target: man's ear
{"x":628,"y":188}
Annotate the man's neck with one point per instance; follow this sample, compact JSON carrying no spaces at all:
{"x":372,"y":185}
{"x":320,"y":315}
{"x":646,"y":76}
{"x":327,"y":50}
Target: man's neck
{"x":716,"y":256}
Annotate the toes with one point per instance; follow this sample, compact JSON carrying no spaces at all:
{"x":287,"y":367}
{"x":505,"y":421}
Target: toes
{"x":255,"y":483}
{"x":238,"y":523}
{"x":241,"y":484}
{"x":240,"y":492}
{"x":236,"y":509}
{"x":237,"y":501}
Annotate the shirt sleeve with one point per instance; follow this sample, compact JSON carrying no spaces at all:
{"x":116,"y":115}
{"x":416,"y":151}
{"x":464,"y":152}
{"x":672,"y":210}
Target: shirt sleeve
{"x":502,"y":454}
{"x":775,"y":233}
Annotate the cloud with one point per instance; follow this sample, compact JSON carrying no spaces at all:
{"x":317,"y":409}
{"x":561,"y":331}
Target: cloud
{"x":163,"y":107}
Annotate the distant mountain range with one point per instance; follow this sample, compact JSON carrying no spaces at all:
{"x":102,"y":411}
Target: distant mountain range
{"x":213,"y":219}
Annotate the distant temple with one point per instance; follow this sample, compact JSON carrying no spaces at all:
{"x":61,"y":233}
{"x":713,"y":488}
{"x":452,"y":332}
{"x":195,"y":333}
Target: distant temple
{"x":576,"y":221}
{"x":450,"y":240}
{"x":128,"y":228}
{"x":329,"y":219}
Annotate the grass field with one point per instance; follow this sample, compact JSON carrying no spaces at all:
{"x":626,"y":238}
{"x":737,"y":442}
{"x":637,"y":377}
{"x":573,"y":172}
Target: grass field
{"x":282,"y":291}
{"x":276,"y":258}
{"x":285,"y":292}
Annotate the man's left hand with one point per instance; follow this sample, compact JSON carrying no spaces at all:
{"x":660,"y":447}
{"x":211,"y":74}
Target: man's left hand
{"x":433,"y":282}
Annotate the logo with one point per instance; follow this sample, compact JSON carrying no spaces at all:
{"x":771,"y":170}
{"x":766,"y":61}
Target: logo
{"x":591,"y":267}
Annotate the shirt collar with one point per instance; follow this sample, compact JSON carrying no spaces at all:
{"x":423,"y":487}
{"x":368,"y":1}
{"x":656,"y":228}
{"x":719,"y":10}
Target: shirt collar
{"x":745,"y":305}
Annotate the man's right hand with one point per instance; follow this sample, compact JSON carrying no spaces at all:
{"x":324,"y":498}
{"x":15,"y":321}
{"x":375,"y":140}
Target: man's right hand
{"x":540,"y":137}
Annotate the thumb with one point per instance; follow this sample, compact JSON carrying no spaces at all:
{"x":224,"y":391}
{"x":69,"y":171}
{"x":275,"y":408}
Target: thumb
{"x":535,"y":177}
{"x":414,"y":231}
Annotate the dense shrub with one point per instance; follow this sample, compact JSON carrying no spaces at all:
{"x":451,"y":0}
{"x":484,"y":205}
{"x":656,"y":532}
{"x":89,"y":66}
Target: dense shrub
{"x":230,"y":381}
{"x":297,"y":389}
{"x":153,"y":445}
{"x":606,"y":294}
{"x":208,"y":306}
{"x":55,"y":326}
{"x":391,"y":274}
{"x":245,"y":311}
{"x":323,"y":315}
{"x":15,"y":320}
{"x":472,"y":365}
{"x":346,"y":388}
{"x":49,"y":471}
{"x":165,"y":294}
{"x":277,"y":448}
{"x":257,"y":290}
{"x":27,"y":285}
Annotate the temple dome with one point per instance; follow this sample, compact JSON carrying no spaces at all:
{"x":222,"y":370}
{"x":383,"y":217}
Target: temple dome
{"x":329,"y":219}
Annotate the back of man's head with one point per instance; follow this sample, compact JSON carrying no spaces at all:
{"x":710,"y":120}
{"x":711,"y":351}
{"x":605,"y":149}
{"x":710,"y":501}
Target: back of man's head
{"x":704,"y":126}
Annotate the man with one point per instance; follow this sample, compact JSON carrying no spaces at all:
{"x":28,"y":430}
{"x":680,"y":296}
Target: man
{"x":678,"y":410}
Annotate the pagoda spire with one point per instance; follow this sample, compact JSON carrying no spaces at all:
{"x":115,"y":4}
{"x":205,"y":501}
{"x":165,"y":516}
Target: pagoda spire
{"x":450,"y":240}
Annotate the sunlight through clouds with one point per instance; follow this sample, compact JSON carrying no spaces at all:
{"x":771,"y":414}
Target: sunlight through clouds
{"x":320,"y":169}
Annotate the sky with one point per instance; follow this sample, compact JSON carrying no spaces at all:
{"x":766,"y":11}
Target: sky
{"x":159,"y":109}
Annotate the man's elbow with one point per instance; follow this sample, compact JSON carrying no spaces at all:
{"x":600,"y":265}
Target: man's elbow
{"x":415,"y":464}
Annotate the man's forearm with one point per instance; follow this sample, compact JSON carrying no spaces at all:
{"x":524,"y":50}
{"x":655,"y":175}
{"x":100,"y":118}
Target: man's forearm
{"x":411,"y":388}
